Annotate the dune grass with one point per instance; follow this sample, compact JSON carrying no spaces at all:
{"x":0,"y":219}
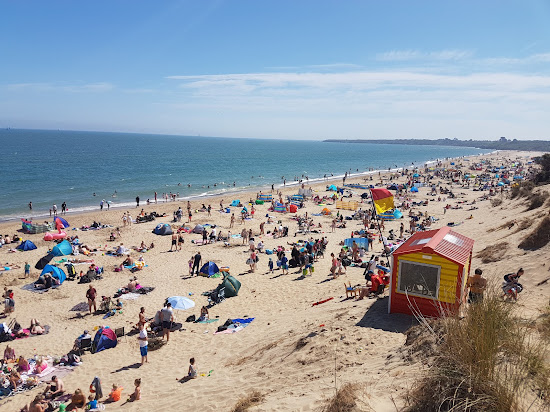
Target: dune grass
{"x":254,"y":398}
{"x":487,"y":361}
{"x":539,"y":237}
{"x":344,"y":400}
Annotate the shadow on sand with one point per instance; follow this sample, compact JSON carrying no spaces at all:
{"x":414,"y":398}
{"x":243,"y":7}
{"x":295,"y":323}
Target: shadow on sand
{"x":377,"y":317}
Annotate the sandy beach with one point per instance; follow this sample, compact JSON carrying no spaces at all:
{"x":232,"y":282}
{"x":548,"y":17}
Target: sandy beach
{"x":294,"y":353}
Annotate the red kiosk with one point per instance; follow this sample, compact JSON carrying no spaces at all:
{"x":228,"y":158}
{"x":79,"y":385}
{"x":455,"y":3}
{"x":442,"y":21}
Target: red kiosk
{"x":429,"y":273}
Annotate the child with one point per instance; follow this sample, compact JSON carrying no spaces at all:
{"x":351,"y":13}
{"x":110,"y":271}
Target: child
{"x":114,"y":396}
{"x":190,"y":267}
{"x":92,"y":402}
{"x":270,"y":264}
{"x":136,"y":396}
{"x":192,"y":373}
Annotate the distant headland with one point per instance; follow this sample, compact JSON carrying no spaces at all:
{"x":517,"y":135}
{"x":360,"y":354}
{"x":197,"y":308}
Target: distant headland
{"x":502,"y":144}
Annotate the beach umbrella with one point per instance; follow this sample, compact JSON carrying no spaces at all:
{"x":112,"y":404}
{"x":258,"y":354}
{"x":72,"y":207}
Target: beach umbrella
{"x":180,"y":302}
{"x":414,"y":189}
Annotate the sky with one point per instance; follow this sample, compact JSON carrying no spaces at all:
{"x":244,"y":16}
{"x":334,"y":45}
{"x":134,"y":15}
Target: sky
{"x":299,"y":69}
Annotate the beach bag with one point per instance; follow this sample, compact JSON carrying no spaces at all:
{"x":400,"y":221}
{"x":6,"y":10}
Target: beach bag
{"x":257,"y":258}
{"x":249,"y":261}
{"x":191,"y":318}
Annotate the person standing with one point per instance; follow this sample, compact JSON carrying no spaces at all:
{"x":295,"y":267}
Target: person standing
{"x":91,"y":294}
{"x":155,"y":197}
{"x":27,"y":269}
{"x":477,"y":285}
{"x":54,"y":209}
{"x":137,"y":201}
{"x":174,"y":242}
{"x":101,"y":204}
{"x":232,"y":221}
{"x":196,"y":263}
{"x":143,"y":342}
{"x":30,"y":206}
{"x":167,"y":317}
{"x":63,"y":208}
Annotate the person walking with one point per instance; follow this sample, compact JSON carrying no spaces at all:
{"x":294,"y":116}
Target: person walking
{"x":137,"y":201}
{"x":143,"y":342}
{"x":477,"y":285}
{"x":196,"y":263}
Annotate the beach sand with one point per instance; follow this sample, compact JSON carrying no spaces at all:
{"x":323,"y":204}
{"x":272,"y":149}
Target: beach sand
{"x":293,"y":352}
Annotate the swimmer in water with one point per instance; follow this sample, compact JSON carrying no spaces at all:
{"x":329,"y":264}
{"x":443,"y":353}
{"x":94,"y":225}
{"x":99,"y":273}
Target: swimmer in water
{"x":93,"y":194}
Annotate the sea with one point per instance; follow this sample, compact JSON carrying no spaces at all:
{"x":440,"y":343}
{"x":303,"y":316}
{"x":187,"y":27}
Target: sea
{"x":49,"y":167}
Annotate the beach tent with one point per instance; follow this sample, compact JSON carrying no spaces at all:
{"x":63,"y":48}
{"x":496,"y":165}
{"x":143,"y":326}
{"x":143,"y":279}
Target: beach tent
{"x":163,"y":229}
{"x":393,"y":186}
{"x":332,"y":188}
{"x":500,"y":183}
{"x":62,"y":249}
{"x":416,"y":175}
{"x":397,"y":214}
{"x":235,"y":202}
{"x":209,"y":269}
{"x":26,"y":245}
{"x":231,"y":286}
{"x":57,"y":273}
{"x":293,"y":208}
{"x":429,"y":273}
{"x":30,"y":227}
{"x":198,"y":229}
{"x":180,"y":302}
{"x":60,"y":221}
{"x":414,"y":189}
{"x":326,"y":211}
{"x":104,"y":338}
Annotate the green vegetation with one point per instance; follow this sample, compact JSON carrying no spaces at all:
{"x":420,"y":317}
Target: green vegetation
{"x":502,"y":144}
{"x":487,"y":361}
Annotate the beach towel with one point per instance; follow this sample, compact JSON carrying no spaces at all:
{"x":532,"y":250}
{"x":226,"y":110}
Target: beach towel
{"x":29,"y":335}
{"x":236,"y":326}
{"x":130,"y":296}
{"x":208,"y":321}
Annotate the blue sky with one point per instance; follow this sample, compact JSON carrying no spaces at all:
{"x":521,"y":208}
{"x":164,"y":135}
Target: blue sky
{"x":279,"y":69}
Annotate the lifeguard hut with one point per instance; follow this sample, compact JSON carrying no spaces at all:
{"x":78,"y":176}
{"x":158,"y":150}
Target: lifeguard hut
{"x":429,"y":273}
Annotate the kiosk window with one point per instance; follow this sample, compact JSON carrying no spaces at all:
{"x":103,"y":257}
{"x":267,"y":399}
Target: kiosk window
{"x":419,"y":279}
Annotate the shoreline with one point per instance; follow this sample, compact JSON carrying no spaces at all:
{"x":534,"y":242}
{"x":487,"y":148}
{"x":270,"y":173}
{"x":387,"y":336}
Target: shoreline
{"x":238,"y":191}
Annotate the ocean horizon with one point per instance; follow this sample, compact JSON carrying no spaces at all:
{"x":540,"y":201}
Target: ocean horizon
{"x":49,"y":167}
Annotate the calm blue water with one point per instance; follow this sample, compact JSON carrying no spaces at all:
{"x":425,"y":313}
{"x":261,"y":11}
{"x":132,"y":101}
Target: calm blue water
{"x":48,"y":167}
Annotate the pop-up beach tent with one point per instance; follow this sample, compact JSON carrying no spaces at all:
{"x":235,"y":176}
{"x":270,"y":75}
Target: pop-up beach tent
{"x":163,"y":229}
{"x":209,"y":269}
{"x":26,"y":245}
{"x":62,"y":249}
{"x":60,"y":221}
{"x":198,"y":229}
{"x":57,"y":273}
{"x":230,"y":285}
{"x":104,"y":338}
{"x":235,"y":202}
{"x":332,"y":188}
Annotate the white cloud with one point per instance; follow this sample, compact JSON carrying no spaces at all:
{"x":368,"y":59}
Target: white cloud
{"x":406,"y":55}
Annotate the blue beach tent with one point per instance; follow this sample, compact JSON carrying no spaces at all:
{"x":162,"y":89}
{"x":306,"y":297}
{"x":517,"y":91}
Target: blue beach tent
{"x":210,"y":269}
{"x":163,"y":229}
{"x":26,"y":245}
{"x":332,"y":188}
{"x":105,"y":338}
{"x":62,"y":249}
{"x":235,"y":202}
{"x":56,"y":272}
{"x":414,"y":189}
